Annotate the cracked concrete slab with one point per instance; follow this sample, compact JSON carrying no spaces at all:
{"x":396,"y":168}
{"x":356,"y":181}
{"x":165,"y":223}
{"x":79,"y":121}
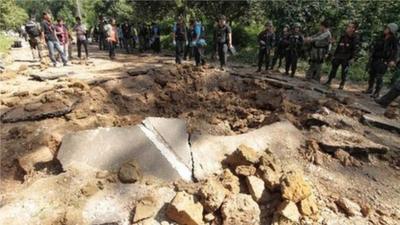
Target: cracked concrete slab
{"x":281,"y":138}
{"x":381,"y":122}
{"x":109,"y":148}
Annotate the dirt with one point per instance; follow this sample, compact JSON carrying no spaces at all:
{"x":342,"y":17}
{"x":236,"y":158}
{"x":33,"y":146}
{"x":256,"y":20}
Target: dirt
{"x":122,"y":92}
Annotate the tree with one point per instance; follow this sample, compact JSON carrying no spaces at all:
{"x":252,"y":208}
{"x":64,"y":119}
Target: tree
{"x":11,"y":15}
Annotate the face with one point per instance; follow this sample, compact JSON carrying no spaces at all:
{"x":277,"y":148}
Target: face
{"x":386,"y":31}
{"x":113,"y":22}
{"x":297,"y":29}
{"x":222,"y":22}
{"x":285,"y":30}
{"x":350,"y":28}
{"x":322,"y":28}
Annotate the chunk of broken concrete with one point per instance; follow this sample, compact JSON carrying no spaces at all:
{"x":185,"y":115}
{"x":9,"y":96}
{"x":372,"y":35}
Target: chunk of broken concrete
{"x":381,"y":122}
{"x":212,"y":194}
{"x":244,"y":155}
{"x":240,"y":209}
{"x":40,"y":154}
{"x":109,"y":148}
{"x":308,"y":206}
{"x":230,"y":181}
{"x":294,"y":187}
{"x":50,"y":76}
{"x":244,"y":170}
{"x":184,"y":210}
{"x":145,"y":208}
{"x":257,"y":189}
{"x":271,"y":171}
{"x":332,"y":139}
{"x":129,"y":172}
{"x":288,"y":209}
{"x":349,"y":207}
{"x":43,"y":111}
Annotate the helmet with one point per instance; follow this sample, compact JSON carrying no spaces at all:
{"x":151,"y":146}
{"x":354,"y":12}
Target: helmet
{"x":392,"y":27}
{"x":269,"y":24}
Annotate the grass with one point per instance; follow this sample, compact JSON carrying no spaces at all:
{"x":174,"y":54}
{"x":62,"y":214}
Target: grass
{"x":5,"y":43}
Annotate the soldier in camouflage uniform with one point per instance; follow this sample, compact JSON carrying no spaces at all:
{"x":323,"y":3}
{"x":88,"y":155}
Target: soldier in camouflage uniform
{"x":282,"y":43}
{"x":383,"y":55}
{"x":293,"y":50}
{"x":266,"y":40}
{"x":320,"y":43}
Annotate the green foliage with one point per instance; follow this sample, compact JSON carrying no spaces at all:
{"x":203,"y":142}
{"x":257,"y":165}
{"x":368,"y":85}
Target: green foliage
{"x":5,"y":43}
{"x":11,"y":15}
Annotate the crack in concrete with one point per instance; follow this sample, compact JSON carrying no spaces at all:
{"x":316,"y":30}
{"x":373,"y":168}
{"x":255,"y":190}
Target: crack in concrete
{"x":166,"y":151}
{"x":191,"y":157}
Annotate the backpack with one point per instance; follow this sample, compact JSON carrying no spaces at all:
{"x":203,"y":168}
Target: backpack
{"x":32,"y":29}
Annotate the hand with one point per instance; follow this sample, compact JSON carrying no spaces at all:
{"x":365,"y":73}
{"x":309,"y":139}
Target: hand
{"x":229,"y":45}
{"x":174,"y":43}
{"x":392,"y":64}
{"x":193,"y":43}
{"x":186,"y":43}
{"x":262,"y":42}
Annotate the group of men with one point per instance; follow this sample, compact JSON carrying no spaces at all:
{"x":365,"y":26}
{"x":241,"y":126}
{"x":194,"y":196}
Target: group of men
{"x":127,"y":36}
{"x":291,"y":44}
{"x":57,"y":37}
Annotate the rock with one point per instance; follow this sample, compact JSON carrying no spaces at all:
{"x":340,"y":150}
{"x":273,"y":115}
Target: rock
{"x":244,"y":155}
{"x":349,"y":207}
{"x":240,"y":209}
{"x":332,"y":139}
{"x":40,"y":154}
{"x":243,"y":170}
{"x":129,"y":172}
{"x":119,"y":144}
{"x":212,"y":194}
{"x":257,"y":189}
{"x":136,"y":72}
{"x":271,"y":172}
{"x":209,"y":217}
{"x":184,"y":210}
{"x":294,"y":187}
{"x":89,"y":189}
{"x":79,"y":84}
{"x":344,"y":157}
{"x":32,"y":106}
{"x":21,"y":94}
{"x":308,"y":206}
{"x":392,"y":113}
{"x":381,"y":122}
{"x":230,"y":181}
{"x":145,"y":208}
{"x":50,"y":76}
{"x":288,"y":209}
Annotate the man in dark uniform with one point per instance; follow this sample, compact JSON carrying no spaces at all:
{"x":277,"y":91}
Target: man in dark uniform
{"x":188,"y":47}
{"x":295,"y":44}
{"x":282,"y":43}
{"x":383,"y":55}
{"x":223,"y":40}
{"x":155,"y":34}
{"x":266,"y":40}
{"x":345,"y":53}
{"x":179,"y":36}
{"x":101,"y":33}
{"x":127,"y":36}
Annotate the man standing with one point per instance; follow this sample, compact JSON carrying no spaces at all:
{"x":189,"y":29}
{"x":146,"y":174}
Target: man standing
{"x":101,"y":33}
{"x":281,"y":44}
{"x":223,"y":40}
{"x":345,"y":53}
{"x":321,"y":43}
{"x":179,"y":38}
{"x":127,"y":33}
{"x":198,"y":42}
{"x":188,"y":48}
{"x":112,"y":37}
{"x":383,"y":55}
{"x":155,"y":37}
{"x":295,"y":45}
{"x":49,"y":35}
{"x":33,"y":30}
{"x":62,"y":35}
{"x":81,"y":39}
{"x":266,"y":40}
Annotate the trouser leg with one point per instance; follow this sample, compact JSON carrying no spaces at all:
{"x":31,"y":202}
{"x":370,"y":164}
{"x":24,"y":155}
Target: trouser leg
{"x":345,"y":72}
{"x":222,"y":51}
{"x":334,"y":69}
{"x":178,"y":51}
{"x":288,"y":62}
{"x":261,"y":54}
{"x":267,"y":58}
{"x":294,"y":65}
{"x":50,"y":46}
{"x":197,"y":55}
{"x":58,"y":47}
{"x":79,"y":46}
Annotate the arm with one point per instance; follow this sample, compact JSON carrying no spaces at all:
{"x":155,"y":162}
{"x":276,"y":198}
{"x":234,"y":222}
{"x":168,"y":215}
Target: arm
{"x":319,"y":37}
{"x":229,"y":37}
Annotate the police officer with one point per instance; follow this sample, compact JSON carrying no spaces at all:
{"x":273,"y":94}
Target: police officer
{"x":179,"y":36}
{"x":320,"y":43}
{"x":198,"y":42}
{"x":295,"y":45}
{"x":266,"y":40}
{"x":344,"y":54}
{"x":383,"y":55}
{"x":223,"y":40}
{"x":282,"y":43}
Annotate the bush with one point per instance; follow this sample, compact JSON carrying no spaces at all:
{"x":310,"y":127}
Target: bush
{"x":5,"y":43}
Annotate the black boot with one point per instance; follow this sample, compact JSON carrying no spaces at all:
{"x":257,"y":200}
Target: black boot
{"x":341,"y":86}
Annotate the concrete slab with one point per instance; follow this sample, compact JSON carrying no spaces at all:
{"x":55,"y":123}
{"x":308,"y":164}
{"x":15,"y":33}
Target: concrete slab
{"x":109,"y":148}
{"x":50,"y":76}
{"x":208,"y":151}
{"x":42,"y":111}
{"x":381,"y":122}
{"x":174,"y":134}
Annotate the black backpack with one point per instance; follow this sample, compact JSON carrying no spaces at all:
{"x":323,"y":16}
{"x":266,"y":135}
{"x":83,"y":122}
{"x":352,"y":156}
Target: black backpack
{"x":32,"y":29}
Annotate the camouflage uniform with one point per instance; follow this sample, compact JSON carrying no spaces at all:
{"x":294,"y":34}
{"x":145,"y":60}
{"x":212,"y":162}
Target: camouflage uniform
{"x":320,"y":47}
